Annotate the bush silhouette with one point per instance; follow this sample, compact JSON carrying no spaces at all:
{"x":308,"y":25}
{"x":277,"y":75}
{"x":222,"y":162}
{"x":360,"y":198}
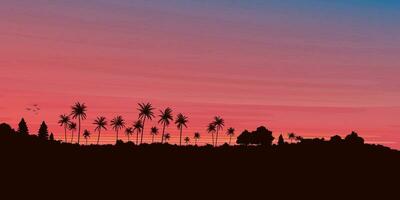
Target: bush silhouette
{"x":6,"y":129}
{"x":262,"y":136}
{"x":353,"y":138}
{"x":336,"y":139}
{"x":281,"y":141}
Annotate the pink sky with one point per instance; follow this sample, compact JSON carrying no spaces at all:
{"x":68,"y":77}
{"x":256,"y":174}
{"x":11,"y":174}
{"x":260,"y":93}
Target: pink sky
{"x":315,"y":72}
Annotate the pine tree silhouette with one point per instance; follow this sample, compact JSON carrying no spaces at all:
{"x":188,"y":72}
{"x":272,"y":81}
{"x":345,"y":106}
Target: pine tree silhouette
{"x":281,"y":141}
{"x":43,"y":131}
{"x":22,"y":127}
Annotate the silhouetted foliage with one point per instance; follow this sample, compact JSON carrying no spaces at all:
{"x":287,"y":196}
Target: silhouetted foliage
{"x":79,"y":112}
{"x":353,"y":138}
{"x":51,"y":137}
{"x":262,"y":136}
{"x":145,"y":112}
{"x":6,"y":129}
{"x":281,"y":141}
{"x":336,"y":139}
{"x":22,"y":127}
{"x":165,"y":120}
{"x":43,"y":131}
{"x":181,"y":121}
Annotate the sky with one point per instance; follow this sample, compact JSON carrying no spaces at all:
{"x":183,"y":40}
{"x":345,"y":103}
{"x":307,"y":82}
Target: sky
{"x":313,"y":67}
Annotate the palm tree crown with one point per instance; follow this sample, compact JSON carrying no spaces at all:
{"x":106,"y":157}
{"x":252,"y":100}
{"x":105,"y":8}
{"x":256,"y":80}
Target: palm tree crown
{"x":187,"y":140}
{"x":137,"y":126}
{"x":230,"y":132}
{"x":129,"y":132}
{"x":86,"y":135}
{"x":196,"y":137}
{"x":211,"y":129}
{"x":153,"y":132}
{"x":72,"y":128}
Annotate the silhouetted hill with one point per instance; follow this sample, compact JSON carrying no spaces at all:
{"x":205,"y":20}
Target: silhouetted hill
{"x":311,"y":168}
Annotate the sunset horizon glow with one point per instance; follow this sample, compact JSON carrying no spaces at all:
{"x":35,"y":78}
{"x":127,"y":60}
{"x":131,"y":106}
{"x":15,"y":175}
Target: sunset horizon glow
{"x":315,"y":68}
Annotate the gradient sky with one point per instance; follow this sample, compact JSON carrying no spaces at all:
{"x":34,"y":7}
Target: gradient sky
{"x":313,"y":67}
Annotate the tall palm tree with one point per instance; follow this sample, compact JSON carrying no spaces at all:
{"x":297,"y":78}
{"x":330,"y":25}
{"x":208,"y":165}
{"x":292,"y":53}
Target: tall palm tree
{"x":211,"y":129}
{"x":145,"y":112}
{"x":64,"y":121}
{"x":137,"y":126}
{"x":79,"y":112}
{"x":100,"y":123}
{"x":196,"y":137}
{"x":165,"y":120}
{"x":230,"y":132}
{"x":117,"y":124}
{"x":72,"y":128}
{"x":187,"y":140}
{"x":219,"y":125}
{"x":129,"y":132}
{"x":180,"y":122}
{"x":86,"y":135}
{"x":167,"y":137}
{"x":153,"y":132}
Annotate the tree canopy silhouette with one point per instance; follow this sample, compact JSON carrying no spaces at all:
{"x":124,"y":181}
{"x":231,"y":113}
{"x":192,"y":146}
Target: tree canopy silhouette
{"x":22,"y":127}
{"x":79,"y":112}
{"x":145,"y":112}
{"x":262,"y":136}
{"x":43,"y":131}
{"x":165,"y":120}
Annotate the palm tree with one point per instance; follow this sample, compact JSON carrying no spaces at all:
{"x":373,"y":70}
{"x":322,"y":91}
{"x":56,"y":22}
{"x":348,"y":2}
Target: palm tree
{"x":86,"y":135}
{"x":165,"y":119}
{"x":187,"y":140}
{"x":117,"y":123}
{"x":230,"y":132}
{"x":129,"y":132}
{"x":196,"y":137}
{"x":167,"y":137}
{"x":137,"y":126}
{"x":64,"y":121}
{"x":180,"y":122}
{"x":79,"y":111}
{"x":72,"y":128}
{"x":291,"y":137}
{"x":145,"y":112}
{"x":211,"y":129}
{"x":100,"y":123}
{"x":153,"y":132}
{"x":219,"y":125}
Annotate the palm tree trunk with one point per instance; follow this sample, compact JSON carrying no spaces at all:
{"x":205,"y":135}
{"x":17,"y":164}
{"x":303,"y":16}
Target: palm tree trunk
{"x":195,"y":142}
{"x":137,"y":137}
{"x":141,"y":137}
{"x":98,"y":138}
{"x":117,"y":135}
{"x":216,"y":138}
{"x":162,"y":136}
{"x":72,"y":137}
{"x":152,"y":139}
{"x":86,"y":141}
{"x":79,"y":129}
{"x":180,"y":138}
{"x":65,"y":133}
{"x":230,"y":138}
{"x":128,"y":138}
{"x":212,"y":135}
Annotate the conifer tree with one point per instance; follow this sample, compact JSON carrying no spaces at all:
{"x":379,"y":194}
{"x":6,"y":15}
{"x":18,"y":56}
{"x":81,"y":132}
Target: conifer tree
{"x":22,"y":127}
{"x":43,"y":132}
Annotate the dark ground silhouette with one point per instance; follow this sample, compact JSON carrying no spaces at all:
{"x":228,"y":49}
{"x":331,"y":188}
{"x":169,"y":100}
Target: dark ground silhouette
{"x":313,"y":168}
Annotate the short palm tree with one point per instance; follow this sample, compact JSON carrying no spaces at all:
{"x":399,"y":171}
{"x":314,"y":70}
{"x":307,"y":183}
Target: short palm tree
{"x":72,"y":128}
{"x":165,"y":120}
{"x":64,"y":121}
{"x":117,"y":124}
{"x":100,"y":123}
{"x":145,"y":112}
{"x":129,"y":132}
{"x":181,"y":121}
{"x":291,"y":137}
{"x":211,"y":129}
{"x":196,"y":137}
{"x":153,"y":132}
{"x":219,"y":125}
{"x":167,"y":137}
{"x":137,"y":127}
{"x":79,"y":112}
{"x":86,"y":135}
{"x":230,"y":132}
{"x":187,"y":140}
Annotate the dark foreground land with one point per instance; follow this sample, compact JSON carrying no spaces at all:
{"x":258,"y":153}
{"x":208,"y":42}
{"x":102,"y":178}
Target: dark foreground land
{"x":318,"y":170}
